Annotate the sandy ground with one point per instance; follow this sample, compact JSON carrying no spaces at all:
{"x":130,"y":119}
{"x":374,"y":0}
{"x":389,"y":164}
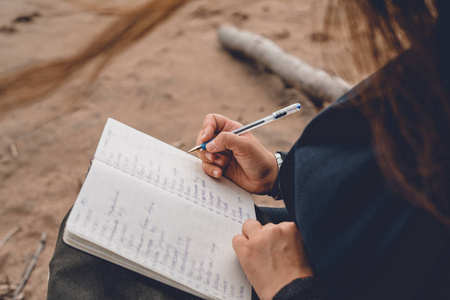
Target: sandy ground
{"x":163,"y":86}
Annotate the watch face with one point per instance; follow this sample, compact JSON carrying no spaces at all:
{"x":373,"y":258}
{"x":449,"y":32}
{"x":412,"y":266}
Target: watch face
{"x":279,"y":159}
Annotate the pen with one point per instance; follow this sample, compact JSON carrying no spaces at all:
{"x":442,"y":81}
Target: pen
{"x":272,"y":117}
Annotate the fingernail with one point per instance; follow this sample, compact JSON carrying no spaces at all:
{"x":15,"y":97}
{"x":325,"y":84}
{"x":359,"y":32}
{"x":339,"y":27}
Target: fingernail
{"x":211,"y":146}
{"x":215,"y":173}
{"x":203,"y":136}
{"x":208,"y":155}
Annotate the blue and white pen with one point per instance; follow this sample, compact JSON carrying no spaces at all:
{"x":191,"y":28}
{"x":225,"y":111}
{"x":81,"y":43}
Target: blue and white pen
{"x":272,"y":117}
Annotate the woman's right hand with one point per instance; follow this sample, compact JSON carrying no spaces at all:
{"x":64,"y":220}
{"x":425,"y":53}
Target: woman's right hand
{"x":242,"y":159}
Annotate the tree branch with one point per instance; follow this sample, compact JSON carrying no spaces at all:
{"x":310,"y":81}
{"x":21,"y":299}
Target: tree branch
{"x":316,"y":83}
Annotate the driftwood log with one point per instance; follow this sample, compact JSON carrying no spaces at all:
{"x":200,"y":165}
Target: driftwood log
{"x":317,"y":84}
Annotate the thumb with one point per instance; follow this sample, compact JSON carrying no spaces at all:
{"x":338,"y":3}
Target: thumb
{"x":226,"y":141}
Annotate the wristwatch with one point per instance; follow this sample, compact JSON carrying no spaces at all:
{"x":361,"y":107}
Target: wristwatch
{"x":279,"y":158}
{"x":275,"y":193}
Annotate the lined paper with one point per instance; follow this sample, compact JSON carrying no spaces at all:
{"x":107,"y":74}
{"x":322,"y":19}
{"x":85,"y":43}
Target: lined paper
{"x":149,"y":207}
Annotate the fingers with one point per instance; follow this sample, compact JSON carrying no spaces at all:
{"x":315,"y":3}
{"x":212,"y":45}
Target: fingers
{"x":212,"y":170}
{"x":250,"y":226}
{"x":254,"y":235}
{"x":220,"y":160}
{"x":210,"y":126}
{"x":271,"y":256}
{"x":214,"y":164}
{"x":213,"y":123}
{"x":227,"y":141}
{"x":238,"y":242}
{"x":241,"y":241}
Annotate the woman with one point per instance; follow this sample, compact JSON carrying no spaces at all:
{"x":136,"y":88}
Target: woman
{"x":367,"y":182}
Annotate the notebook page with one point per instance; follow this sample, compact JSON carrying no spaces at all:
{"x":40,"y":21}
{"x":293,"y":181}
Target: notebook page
{"x":158,"y":230}
{"x":172,"y":170}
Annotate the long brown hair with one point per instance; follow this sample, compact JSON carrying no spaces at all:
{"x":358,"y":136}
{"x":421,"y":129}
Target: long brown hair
{"x":409,"y":110}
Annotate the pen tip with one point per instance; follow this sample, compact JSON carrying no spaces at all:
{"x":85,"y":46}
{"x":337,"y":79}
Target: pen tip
{"x":195,"y":149}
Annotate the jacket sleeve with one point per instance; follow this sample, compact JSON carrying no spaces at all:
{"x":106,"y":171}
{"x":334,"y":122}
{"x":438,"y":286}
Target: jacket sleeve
{"x":306,"y":288}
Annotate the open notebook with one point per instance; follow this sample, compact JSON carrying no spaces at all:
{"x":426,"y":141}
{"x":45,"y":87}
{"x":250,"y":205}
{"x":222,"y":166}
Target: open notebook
{"x":149,"y":207}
